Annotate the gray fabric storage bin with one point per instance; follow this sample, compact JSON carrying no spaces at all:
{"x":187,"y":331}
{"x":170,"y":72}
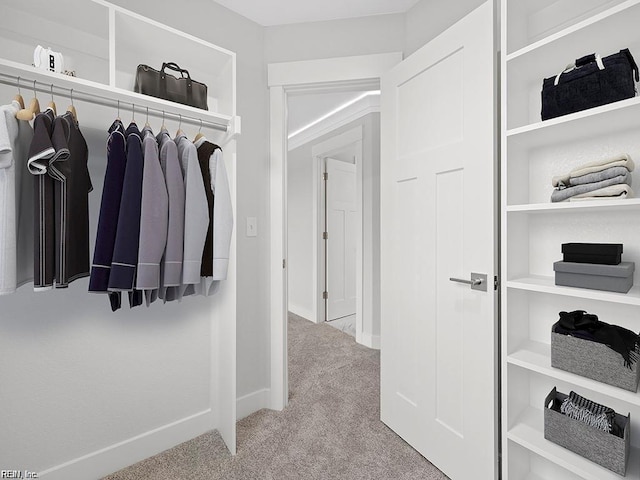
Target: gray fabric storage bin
{"x":611,"y":278}
{"x":603,"y":448}
{"x":592,"y":360}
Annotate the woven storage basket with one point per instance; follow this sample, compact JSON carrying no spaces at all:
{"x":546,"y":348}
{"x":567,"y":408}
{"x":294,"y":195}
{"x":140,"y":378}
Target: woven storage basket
{"x":592,"y":360}
{"x":603,"y":448}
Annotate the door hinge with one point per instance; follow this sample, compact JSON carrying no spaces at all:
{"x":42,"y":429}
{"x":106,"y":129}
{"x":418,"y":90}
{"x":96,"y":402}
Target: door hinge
{"x":284,"y":263}
{"x":496,"y":282}
{"x":325,"y":235}
{"x":325,"y":176}
{"x":325,"y":295}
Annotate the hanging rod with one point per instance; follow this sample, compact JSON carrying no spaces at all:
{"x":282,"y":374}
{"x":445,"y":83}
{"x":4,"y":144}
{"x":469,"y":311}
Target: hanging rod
{"x":79,"y":95}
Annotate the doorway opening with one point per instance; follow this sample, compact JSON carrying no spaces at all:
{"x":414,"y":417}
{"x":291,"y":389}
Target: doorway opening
{"x":288,"y":80}
{"x":332,"y":200}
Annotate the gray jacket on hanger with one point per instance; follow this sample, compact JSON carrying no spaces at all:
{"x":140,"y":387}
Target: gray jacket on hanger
{"x":196,"y":211}
{"x":171,"y":266}
{"x":154,"y":219}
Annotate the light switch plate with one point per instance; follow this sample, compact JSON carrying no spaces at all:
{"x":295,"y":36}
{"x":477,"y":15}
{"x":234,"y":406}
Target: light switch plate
{"x":252,"y":227}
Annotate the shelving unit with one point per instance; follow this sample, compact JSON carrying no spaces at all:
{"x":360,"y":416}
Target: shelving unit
{"x":538,"y":39}
{"x":114,"y":42}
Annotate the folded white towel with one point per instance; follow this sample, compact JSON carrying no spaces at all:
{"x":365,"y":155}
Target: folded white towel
{"x":612,"y":192}
{"x":619,"y":160}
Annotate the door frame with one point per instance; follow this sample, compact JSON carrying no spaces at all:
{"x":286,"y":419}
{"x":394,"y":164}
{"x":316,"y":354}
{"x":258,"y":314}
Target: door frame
{"x":351,"y":139}
{"x":314,"y":76}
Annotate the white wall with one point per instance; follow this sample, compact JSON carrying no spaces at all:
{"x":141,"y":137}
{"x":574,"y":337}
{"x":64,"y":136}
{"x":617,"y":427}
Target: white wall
{"x":301,"y":216}
{"x":428,"y":18}
{"x":335,"y":38}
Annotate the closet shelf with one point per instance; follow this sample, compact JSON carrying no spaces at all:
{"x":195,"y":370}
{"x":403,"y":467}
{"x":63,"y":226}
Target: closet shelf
{"x":606,"y":21}
{"x":544,"y":284}
{"x":82,"y":86}
{"x":528,"y":431}
{"x":572,"y":207}
{"x":536,"y":356}
{"x":599,"y":121}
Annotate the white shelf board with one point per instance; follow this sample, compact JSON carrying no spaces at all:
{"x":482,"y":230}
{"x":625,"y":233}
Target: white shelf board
{"x":536,"y":356}
{"x":80,"y":85}
{"x":610,"y":13}
{"x":599,"y":121}
{"x":544,"y":284}
{"x":529,"y":433}
{"x":571,"y":207}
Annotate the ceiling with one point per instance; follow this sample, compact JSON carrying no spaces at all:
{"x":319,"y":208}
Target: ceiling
{"x":281,"y":12}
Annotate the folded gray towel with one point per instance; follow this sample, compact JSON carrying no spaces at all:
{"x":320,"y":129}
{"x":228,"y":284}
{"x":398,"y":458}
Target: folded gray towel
{"x":562,"y":194}
{"x":613,"y":192}
{"x":599,"y":176}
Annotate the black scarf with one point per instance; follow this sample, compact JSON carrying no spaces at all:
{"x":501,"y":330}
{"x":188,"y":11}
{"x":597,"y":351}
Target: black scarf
{"x":584,"y":325}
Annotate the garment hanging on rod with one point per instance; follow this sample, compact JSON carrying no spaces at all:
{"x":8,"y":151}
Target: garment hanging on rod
{"x":16,"y":200}
{"x":95,"y":99}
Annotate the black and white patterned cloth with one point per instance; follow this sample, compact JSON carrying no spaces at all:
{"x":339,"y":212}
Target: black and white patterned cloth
{"x":591,"y":413}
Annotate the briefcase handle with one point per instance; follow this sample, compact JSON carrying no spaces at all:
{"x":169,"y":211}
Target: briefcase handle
{"x":581,"y":62}
{"x":174,"y":66}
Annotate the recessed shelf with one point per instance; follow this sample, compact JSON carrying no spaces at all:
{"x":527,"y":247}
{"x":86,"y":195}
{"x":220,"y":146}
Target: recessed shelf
{"x":572,"y":207}
{"x":544,"y":284}
{"x":599,"y":21}
{"x":603,"y":120}
{"x":528,"y":432}
{"x":536,"y":356}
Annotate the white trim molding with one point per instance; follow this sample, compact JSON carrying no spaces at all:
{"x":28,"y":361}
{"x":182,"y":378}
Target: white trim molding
{"x":332,"y":70}
{"x":310,"y":76}
{"x":302,"y":312}
{"x":122,"y":454}
{"x":251,"y":403}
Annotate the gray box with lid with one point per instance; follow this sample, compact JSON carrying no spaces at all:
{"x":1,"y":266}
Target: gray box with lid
{"x":610,"y":278}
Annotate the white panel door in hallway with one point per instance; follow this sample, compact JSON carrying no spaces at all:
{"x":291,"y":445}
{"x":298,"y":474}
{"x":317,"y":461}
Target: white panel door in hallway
{"x":341,"y":226}
{"x":438,"y":363}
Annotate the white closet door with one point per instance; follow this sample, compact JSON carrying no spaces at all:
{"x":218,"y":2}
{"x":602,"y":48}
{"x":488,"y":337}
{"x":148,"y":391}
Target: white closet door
{"x":438,"y":370}
{"x":342,"y":223}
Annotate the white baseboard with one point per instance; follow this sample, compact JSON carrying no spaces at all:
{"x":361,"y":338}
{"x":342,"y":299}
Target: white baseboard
{"x":120,"y":455}
{"x":302,"y":312}
{"x":253,"y":402}
{"x":371,"y":341}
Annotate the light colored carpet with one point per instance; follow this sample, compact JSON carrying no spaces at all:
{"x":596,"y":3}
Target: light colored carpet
{"x":330,"y":430}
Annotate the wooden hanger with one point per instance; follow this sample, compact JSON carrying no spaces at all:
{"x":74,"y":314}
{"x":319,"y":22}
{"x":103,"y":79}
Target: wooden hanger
{"x":163,"y":127}
{"x":52,"y":104}
{"x":18,"y":98}
{"x":28,"y":114}
{"x":199,"y":135}
{"x":72,"y":109}
{"x":118,"y":117}
{"x":179,"y":132}
{"x":146,"y":124}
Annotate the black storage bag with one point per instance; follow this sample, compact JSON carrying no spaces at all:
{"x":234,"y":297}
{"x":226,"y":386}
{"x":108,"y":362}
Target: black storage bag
{"x":587,"y":85}
{"x":163,"y":85}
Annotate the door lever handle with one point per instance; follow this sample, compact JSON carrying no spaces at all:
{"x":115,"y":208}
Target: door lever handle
{"x":478,"y":281}
{"x":475,"y":281}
